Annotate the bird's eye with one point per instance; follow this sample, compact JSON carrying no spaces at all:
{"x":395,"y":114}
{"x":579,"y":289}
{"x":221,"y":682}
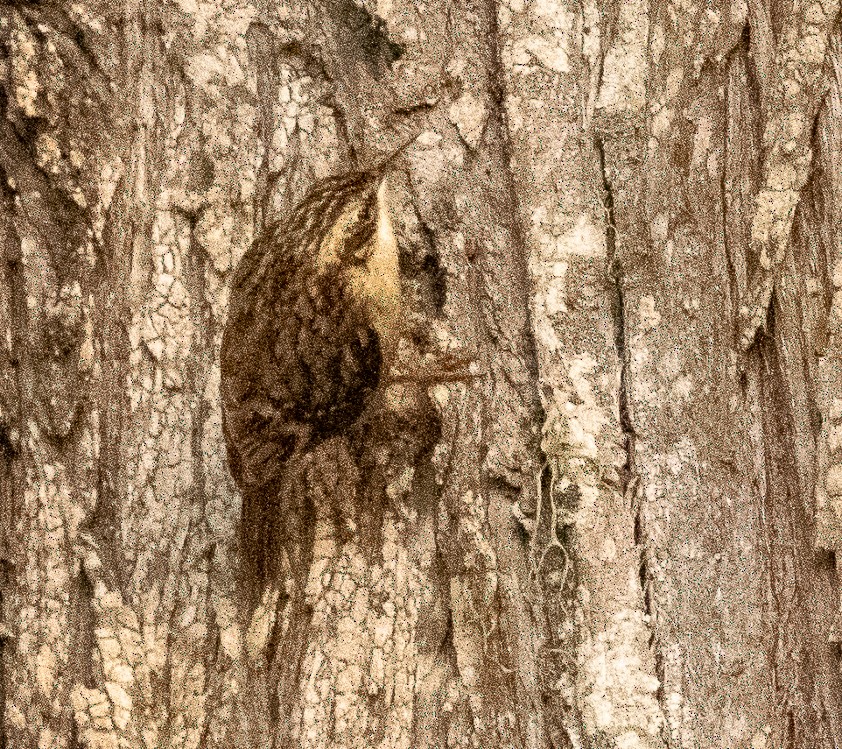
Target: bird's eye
{"x":360,"y":255}
{"x":358,"y":243}
{"x":358,"y":229}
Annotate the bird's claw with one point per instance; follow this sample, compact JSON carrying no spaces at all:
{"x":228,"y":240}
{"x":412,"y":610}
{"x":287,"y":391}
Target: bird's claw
{"x":443,"y":368}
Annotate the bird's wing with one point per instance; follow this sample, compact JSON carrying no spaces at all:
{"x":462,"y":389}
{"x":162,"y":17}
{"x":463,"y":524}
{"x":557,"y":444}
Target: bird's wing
{"x":337,"y":356}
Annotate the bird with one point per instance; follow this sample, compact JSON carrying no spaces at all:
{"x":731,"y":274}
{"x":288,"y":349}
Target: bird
{"x":314,"y":321}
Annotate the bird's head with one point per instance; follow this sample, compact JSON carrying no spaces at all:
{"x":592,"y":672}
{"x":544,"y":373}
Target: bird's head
{"x":363,"y":246}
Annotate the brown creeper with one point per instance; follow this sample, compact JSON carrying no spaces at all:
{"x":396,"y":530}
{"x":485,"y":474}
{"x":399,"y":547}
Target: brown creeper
{"x":314,"y":321}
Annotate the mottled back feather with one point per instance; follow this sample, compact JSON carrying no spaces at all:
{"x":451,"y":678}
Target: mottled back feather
{"x":300,"y":358}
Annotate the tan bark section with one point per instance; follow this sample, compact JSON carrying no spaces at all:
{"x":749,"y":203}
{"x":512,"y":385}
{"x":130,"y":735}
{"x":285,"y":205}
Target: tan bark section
{"x":583,"y":548}
{"x":174,"y":130}
{"x":829,"y":370}
{"x":617,"y":198}
{"x":791,"y":91}
{"x":132,"y":486}
{"x":362,"y":642}
{"x":721,"y":438}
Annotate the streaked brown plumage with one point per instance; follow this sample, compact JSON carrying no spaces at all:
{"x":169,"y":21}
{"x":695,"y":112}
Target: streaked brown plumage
{"x":313,"y":318}
{"x":314,"y":321}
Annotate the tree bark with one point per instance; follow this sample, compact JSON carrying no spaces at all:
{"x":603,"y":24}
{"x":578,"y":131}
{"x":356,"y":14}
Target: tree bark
{"x":621,"y":533}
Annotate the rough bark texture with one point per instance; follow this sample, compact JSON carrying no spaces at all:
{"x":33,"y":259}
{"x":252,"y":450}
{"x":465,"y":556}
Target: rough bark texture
{"x":622,"y":533}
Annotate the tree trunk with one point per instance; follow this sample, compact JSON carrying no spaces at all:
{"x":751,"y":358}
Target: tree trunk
{"x":620,"y":533}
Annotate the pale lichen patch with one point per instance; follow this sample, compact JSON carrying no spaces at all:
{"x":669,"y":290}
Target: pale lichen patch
{"x":559,"y":237}
{"x":544,"y":39}
{"x":621,"y":697}
{"x":84,"y":15}
{"x":104,"y":716}
{"x":650,"y":318}
{"x":24,"y":78}
{"x":47,"y":153}
{"x":45,"y":669}
{"x":469,"y":114}
{"x":583,"y":417}
{"x":623,"y":86}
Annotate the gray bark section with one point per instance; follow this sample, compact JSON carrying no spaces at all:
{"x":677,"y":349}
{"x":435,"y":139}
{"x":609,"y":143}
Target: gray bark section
{"x":624,"y":536}
{"x":726,"y":436}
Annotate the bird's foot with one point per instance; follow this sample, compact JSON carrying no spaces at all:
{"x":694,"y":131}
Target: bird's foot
{"x":441,"y":368}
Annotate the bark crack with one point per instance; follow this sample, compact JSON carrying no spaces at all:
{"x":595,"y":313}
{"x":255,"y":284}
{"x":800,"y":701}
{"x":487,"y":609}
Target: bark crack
{"x":82,"y":638}
{"x":615,"y":273}
{"x":13,"y":395}
{"x":628,"y":478}
{"x":740,"y":50}
{"x":202,"y":320}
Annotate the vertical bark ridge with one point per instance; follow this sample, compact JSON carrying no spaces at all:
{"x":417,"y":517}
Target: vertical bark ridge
{"x":800,"y":579}
{"x":527,"y":629}
{"x":14,"y":325}
{"x":801,"y":573}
